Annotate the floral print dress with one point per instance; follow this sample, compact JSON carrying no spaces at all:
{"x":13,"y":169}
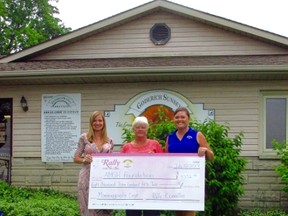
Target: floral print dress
{"x":85,"y":147}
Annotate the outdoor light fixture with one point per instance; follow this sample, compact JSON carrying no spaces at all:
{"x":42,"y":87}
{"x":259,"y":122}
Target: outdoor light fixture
{"x":24,"y":104}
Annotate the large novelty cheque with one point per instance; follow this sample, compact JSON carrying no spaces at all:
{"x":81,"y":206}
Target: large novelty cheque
{"x":147,"y":181}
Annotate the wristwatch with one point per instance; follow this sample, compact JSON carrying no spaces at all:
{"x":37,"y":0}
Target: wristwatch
{"x":84,"y":160}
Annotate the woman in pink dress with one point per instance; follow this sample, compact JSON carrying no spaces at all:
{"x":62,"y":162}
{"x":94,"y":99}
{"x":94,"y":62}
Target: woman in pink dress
{"x":141,"y":144}
{"x":94,"y":141}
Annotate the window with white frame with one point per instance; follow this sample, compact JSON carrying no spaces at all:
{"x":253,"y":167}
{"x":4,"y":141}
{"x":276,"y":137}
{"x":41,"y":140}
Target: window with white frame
{"x":274,"y":122}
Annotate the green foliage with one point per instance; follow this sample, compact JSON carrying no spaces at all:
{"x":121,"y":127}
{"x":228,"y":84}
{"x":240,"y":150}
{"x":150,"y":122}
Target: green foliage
{"x":35,"y":202}
{"x":282,"y":169}
{"x":258,"y":212}
{"x":224,"y":180}
{"x":161,"y":128}
{"x":25,"y":23}
{"x":118,"y":213}
{"x":22,"y":201}
{"x":128,"y":135}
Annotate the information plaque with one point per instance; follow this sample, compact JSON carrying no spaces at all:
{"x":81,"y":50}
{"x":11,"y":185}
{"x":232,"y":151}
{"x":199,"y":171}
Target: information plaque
{"x":147,"y":181}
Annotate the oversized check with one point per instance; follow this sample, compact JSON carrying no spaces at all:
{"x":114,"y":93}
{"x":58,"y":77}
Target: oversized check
{"x":147,"y":181}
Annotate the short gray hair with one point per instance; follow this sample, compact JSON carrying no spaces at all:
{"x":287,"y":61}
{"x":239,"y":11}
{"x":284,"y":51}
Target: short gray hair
{"x":140,"y":120}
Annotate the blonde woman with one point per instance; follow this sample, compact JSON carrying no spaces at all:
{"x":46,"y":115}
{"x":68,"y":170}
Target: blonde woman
{"x":94,"y":141}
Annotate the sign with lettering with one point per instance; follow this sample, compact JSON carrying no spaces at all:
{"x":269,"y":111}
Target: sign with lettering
{"x":148,"y":104}
{"x":147,"y":181}
{"x":60,"y":126}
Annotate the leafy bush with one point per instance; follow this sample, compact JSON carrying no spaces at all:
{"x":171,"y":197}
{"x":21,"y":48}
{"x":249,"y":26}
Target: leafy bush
{"x":22,"y":201}
{"x":224,"y":178}
{"x":282,"y":169}
{"x":258,"y":212}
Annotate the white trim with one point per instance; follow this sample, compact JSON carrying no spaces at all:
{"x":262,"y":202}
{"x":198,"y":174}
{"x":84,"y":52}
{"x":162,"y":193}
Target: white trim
{"x":138,"y":71}
{"x":263,"y":152}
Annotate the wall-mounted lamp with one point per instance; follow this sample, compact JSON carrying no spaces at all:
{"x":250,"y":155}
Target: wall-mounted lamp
{"x":24,"y":104}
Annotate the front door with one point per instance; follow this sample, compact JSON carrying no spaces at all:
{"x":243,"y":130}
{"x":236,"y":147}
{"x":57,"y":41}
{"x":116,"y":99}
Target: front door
{"x":5,"y":139}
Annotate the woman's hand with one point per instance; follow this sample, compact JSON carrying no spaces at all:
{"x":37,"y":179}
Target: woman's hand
{"x":87,"y":159}
{"x":202,"y":151}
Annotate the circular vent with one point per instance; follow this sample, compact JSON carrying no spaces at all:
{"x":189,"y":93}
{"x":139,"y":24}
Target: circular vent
{"x":160,"y":34}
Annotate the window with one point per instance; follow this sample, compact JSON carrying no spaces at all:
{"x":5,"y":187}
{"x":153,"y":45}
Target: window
{"x":160,"y":34}
{"x":274,"y":122}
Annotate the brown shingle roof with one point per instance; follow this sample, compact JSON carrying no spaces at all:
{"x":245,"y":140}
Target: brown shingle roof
{"x":147,"y":62}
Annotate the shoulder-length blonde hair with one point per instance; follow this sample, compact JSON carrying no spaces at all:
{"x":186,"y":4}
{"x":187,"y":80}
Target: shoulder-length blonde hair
{"x":90,"y":134}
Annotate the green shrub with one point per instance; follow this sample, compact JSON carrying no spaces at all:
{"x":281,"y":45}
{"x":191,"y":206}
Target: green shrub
{"x":282,"y":169}
{"x":224,"y":178}
{"x":258,"y":212}
{"x":23,"y":201}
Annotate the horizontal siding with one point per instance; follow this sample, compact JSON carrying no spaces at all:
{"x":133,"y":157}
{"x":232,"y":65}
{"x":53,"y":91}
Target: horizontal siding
{"x":237,"y":106}
{"x":32,"y":172}
{"x":188,"y":38}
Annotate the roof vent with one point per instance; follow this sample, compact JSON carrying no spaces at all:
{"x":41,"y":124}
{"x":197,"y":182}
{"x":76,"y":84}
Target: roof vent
{"x":160,"y":34}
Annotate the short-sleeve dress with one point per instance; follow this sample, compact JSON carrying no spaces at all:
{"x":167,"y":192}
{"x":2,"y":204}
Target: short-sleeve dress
{"x":85,"y":147}
{"x":151,"y":146}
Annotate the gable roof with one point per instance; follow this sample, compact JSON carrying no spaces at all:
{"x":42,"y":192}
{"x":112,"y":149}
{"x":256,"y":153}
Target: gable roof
{"x":143,"y":10}
{"x":27,"y":67}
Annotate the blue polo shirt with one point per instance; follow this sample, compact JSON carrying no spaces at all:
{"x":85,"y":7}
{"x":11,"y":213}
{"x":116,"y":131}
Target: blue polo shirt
{"x":188,"y":144}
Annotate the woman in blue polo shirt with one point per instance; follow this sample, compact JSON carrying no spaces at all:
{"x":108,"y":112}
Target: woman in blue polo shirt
{"x":187,"y":140}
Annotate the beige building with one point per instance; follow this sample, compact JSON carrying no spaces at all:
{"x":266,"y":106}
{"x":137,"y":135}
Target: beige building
{"x":237,"y":71}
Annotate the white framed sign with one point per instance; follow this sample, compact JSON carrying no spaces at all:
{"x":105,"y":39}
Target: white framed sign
{"x":60,"y":126}
{"x":163,"y":181}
